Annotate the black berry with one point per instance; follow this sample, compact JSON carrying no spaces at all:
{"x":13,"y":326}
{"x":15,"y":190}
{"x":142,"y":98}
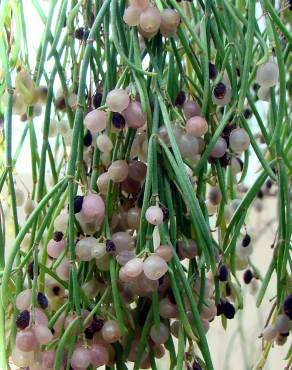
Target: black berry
{"x":247,"y":276}
{"x":110,"y":246}
{"x":87,"y":140}
{"x":118,"y":120}
{"x":228,"y":310}
{"x":287,"y":306}
{"x":22,"y":320}
{"x":165,"y":212}
{"x":247,"y":113}
{"x":223,"y":273}
{"x":96,"y":99}
{"x":58,"y":236}
{"x":78,"y":201}
{"x":219,"y":90}
{"x":42,"y":300}
{"x":79,"y":33}
{"x":180,"y":99}
{"x":246,"y":240}
{"x":212,"y":71}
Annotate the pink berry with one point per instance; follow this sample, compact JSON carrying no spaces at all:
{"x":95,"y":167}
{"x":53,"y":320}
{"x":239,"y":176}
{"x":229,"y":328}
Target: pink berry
{"x":95,"y":121}
{"x":154,"y":267}
{"x":154,"y":215}
{"x":93,"y":207}
{"x":196,"y":126}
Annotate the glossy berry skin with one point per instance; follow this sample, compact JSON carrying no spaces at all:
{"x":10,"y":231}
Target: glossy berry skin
{"x":58,"y":236}
{"x":110,"y":246}
{"x":246,"y":240}
{"x":228,"y":310}
{"x":219,"y":90}
{"x":79,"y":33}
{"x":96,"y":100}
{"x":22,"y":319}
{"x":118,"y":120}
{"x":247,"y":276}
{"x":87,"y":140}
{"x":223,"y":273}
{"x":287,"y":306}
{"x":42,"y":300}
{"x":78,"y":201}
{"x":212,"y":71}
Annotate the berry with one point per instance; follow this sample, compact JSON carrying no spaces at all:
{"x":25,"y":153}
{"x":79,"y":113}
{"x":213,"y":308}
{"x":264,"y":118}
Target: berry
{"x":97,"y":99}
{"x":287,"y":306}
{"x":110,"y":246}
{"x":118,"y":120}
{"x":78,"y":202}
{"x":180,"y":99}
{"x":42,"y":300}
{"x":87,"y":140}
{"x":260,"y":194}
{"x":247,"y":276}
{"x":246,"y":240}
{"x":58,"y":236}
{"x":212,"y":71}
{"x":228,"y":310}
{"x":165,"y":212}
{"x":247,"y":113}
{"x":30,"y":270}
{"x":22,"y":319}
{"x":223,"y":273}
{"x":219,"y":90}
{"x":79,"y":33}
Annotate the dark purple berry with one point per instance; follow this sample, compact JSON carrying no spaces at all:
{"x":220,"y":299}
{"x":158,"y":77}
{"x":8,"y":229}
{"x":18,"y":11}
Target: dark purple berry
{"x":22,"y":320}
{"x":247,"y":276}
{"x":118,"y":120}
{"x":219,"y":90}
{"x":170,"y":296}
{"x":42,"y":300}
{"x":260,"y":194}
{"x":228,"y":290}
{"x":96,"y":325}
{"x":30,"y":270}
{"x":58,"y":236}
{"x":225,"y":160}
{"x":212,"y":71}
{"x":247,"y":113}
{"x":110,"y":246}
{"x":223,"y":273}
{"x":180,"y":99}
{"x":79,"y":33}
{"x":196,"y":366}
{"x":219,"y":309}
{"x":85,"y":35}
{"x":60,"y":103}
{"x":97,"y":99}
{"x":78,"y":201}
{"x":246,"y":240}
{"x":88,"y":333}
{"x":87,"y":140}
{"x":287,"y":306}
{"x":228,"y":310}
{"x":165,"y":212}
{"x":269,"y":184}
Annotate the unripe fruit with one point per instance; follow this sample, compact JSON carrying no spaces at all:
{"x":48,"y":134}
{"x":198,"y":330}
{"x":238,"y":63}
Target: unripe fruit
{"x":93,"y":207}
{"x":170,"y":20}
{"x":118,"y":171}
{"x":191,"y":109}
{"x":165,"y":252}
{"x":99,"y":355}
{"x":239,"y":140}
{"x":104,"y":143}
{"x":188,"y":146}
{"x":154,"y":267}
{"x":103,"y":182}
{"x":63,"y":270}
{"x":150,"y":20}
{"x":23,"y":300}
{"x":133,"y":218}
{"x":25,"y":340}
{"x":54,"y":249}
{"x":21,"y":358}
{"x":61,"y":222}
{"x":197,"y":126}
{"x":159,"y":337}
{"x":29,"y":206}
{"x":154,"y":215}
{"x":42,"y":333}
{"x":19,"y":194}
{"x":133,"y":268}
{"x":267,"y":74}
{"x":215,"y":195}
{"x":98,"y":250}
{"x":283,"y":324}
{"x":124,"y":256}
{"x":269,"y":333}
{"x":264,"y":94}
{"x":122,"y":241}
{"x":132,"y":15}
{"x":219,"y":148}
{"x":137,"y":170}
{"x":84,"y":248}
{"x":95,"y":121}
{"x":141,"y":4}
{"x":134,"y":115}
{"x":111,"y":331}
{"x":81,"y":358}
{"x":221,"y":94}
{"x":117,"y":100}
